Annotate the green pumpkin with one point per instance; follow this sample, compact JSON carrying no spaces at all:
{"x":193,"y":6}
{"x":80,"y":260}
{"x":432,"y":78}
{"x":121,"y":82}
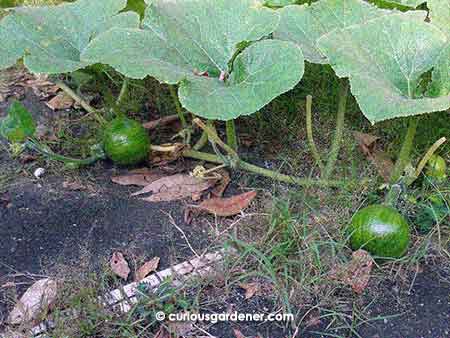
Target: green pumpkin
{"x":380,"y":230}
{"x":436,"y":167}
{"x":126,"y":141}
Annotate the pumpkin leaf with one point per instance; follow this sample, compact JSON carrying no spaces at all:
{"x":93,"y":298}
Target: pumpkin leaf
{"x":440,"y":16}
{"x":18,"y":125}
{"x":51,"y":39}
{"x":384,"y":59}
{"x":221,"y":75}
{"x":305,"y":24}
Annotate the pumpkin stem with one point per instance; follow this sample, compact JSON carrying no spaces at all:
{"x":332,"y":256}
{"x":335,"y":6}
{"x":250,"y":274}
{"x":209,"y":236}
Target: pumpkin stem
{"x":393,"y":195}
{"x":339,"y":131}
{"x":309,"y":133}
{"x":232,"y":139}
{"x":405,"y":151}
{"x":86,"y":106}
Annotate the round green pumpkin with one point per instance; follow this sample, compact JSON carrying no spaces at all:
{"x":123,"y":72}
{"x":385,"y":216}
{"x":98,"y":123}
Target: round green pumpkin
{"x":380,"y":230}
{"x":126,"y":141}
{"x":436,"y":167}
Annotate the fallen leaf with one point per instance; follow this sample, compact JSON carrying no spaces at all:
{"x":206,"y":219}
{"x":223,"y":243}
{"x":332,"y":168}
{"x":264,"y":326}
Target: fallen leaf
{"x":10,"y":83}
{"x":227,"y":206}
{"x":181,"y":329}
{"x":379,"y":158}
{"x":162,"y":333}
{"x":161,"y":158}
{"x":13,"y":334}
{"x":41,"y":86}
{"x":8,"y":285}
{"x":145,"y":269}
{"x":61,"y":101}
{"x":356,"y":273}
{"x":174,"y":187}
{"x":251,"y":289}
{"x":139,"y":177}
{"x":119,"y":265}
{"x":220,"y":188}
{"x":34,"y":301}
{"x":74,"y":186}
{"x":238,"y":334}
{"x":365,"y":139}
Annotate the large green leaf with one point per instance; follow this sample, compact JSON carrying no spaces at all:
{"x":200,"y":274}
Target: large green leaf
{"x":385,"y":59}
{"x":51,"y":38}
{"x":305,"y":24}
{"x":195,"y":43}
{"x":440,"y":16}
{"x":18,"y":125}
{"x":261,"y":72}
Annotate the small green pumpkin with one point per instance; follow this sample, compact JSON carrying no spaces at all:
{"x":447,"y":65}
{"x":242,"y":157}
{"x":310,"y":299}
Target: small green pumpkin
{"x":126,"y":142}
{"x":436,"y":167}
{"x":380,"y":230}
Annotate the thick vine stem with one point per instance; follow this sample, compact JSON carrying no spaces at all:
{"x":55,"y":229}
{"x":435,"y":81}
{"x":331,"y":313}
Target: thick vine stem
{"x":304,"y":182}
{"x":428,"y":155}
{"x":309,"y":133}
{"x":86,"y":106}
{"x":212,"y":135}
{"x":123,"y":92}
{"x":405,"y":152}
{"x":178,"y":108}
{"x":232,"y":139}
{"x":250,"y":167}
{"x":39,"y":148}
{"x":340,"y":122}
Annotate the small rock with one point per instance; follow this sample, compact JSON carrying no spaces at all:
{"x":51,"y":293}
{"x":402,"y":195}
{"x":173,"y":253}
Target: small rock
{"x":39,"y":172}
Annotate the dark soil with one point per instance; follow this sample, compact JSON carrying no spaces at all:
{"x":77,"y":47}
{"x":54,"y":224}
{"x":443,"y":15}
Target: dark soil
{"x":43,"y":224}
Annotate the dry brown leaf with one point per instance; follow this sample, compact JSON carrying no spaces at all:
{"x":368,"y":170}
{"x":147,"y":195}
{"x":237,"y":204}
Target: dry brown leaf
{"x":10,"y":83}
{"x":14,"y":334}
{"x":238,"y":334}
{"x":34,"y":301}
{"x":41,"y":86}
{"x":145,"y":269}
{"x":251,"y":289}
{"x":162,"y":333}
{"x":159,"y":158}
{"x":8,"y":285}
{"x":181,"y":329}
{"x":379,"y":158}
{"x":227,"y":206}
{"x":74,"y":186}
{"x":356,"y":273}
{"x":119,"y":265}
{"x":175,"y":187}
{"x":220,"y":188}
{"x":139,"y":177}
{"x":61,"y":101}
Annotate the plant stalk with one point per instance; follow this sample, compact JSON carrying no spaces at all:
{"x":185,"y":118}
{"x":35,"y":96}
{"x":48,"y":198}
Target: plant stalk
{"x":123,"y":92}
{"x":39,"y":148}
{"x":264,"y":172}
{"x":405,"y":152}
{"x":178,"y":108}
{"x":309,"y":133}
{"x":86,"y":106}
{"x":212,"y":135}
{"x":340,"y":123}
{"x":428,"y":155}
{"x":232,"y":139}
